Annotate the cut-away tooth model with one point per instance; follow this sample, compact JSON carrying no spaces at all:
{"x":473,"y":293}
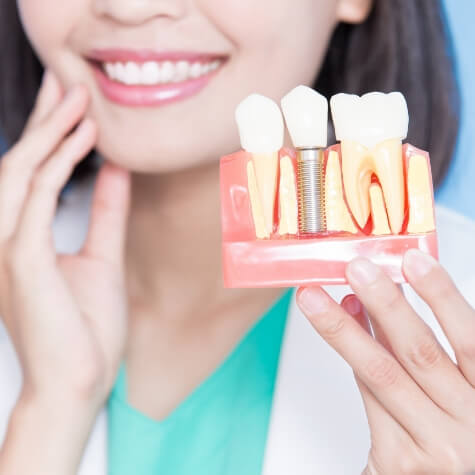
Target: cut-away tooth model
{"x":371,"y":129}
{"x":337,"y":214}
{"x":288,"y":222}
{"x":419,"y":191}
{"x":306,"y":115}
{"x":261,"y":128}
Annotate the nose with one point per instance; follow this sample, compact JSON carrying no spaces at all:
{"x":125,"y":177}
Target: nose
{"x":134,"y":12}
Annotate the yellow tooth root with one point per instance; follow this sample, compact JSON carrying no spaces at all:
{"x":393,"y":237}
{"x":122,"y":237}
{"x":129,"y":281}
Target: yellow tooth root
{"x":266,"y":168}
{"x":288,"y":223}
{"x":256,"y":205}
{"x":337,"y":215}
{"x":378,"y":211}
{"x":384,"y":160}
{"x":419,"y":189}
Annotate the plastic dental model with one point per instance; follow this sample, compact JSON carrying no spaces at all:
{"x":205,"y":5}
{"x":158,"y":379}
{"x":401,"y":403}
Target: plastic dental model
{"x":297,"y":216}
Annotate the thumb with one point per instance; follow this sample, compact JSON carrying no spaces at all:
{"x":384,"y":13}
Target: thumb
{"x":108,"y":224}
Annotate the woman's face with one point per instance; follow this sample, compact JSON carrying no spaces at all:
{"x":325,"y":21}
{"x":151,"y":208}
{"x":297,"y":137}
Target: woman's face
{"x":184,"y":116}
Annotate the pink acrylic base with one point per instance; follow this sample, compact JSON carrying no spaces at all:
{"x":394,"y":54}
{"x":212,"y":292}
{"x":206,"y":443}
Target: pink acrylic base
{"x":288,"y":263}
{"x":294,"y":261}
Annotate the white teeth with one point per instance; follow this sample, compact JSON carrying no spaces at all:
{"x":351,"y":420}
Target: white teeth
{"x":167,"y":71}
{"x":182,"y":71}
{"x":195,"y":70}
{"x":260,"y":123}
{"x":152,"y":72}
{"x":371,"y":118}
{"x":306,"y":115}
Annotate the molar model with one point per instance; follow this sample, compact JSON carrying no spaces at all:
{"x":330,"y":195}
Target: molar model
{"x":298,"y":216}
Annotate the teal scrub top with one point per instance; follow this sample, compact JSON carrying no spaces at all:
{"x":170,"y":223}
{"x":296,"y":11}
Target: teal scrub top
{"x":220,"y":428}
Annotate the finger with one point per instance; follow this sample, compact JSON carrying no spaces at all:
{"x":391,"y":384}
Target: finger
{"x":20,"y":163}
{"x":410,"y":338}
{"x":48,"y":98}
{"x":380,"y":372}
{"x":107,"y":232}
{"x":34,"y":229}
{"x":385,"y":430}
{"x":455,"y":315}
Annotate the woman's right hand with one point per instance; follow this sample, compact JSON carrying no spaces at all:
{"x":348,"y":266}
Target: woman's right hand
{"x":66,"y":314}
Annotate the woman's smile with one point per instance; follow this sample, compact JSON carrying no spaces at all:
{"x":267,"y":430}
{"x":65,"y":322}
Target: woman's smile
{"x":148,"y":78}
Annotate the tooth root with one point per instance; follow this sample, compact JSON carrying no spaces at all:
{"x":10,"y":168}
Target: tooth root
{"x":419,"y":187}
{"x":357,"y":168}
{"x":256,"y":205}
{"x":388,"y":165}
{"x":288,"y":223}
{"x":337,"y":215}
{"x":378,"y":211}
{"x":266,"y":167}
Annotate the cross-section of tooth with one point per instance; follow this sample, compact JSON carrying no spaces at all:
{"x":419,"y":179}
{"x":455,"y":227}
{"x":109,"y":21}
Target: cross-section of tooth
{"x":288,"y":207}
{"x":378,"y":211}
{"x":337,"y":215}
{"x":419,"y":189}
{"x":261,"y":128}
{"x":371,"y":129}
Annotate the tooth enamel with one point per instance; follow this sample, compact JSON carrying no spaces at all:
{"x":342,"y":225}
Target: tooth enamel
{"x":182,"y":71}
{"x":132,"y":73}
{"x":167,"y":71}
{"x":371,"y":129}
{"x":110,"y":70}
{"x":306,"y":115}
{"x":195,"y":70}
{"x":150,"y":73}
{"x":120,"y":72}
{"x":261,"y":128}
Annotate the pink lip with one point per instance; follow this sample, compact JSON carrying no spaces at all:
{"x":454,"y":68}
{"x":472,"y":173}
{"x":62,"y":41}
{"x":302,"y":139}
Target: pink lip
{"x":143,"y":96}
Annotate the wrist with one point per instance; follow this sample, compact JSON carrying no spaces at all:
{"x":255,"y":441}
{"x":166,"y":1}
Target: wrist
{"x":52,"y":431}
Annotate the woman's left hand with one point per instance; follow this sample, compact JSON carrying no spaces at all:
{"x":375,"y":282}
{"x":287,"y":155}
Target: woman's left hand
{"x":420,"y":404}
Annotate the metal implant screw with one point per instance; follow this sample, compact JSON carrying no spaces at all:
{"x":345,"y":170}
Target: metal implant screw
{"x":310,"y":185}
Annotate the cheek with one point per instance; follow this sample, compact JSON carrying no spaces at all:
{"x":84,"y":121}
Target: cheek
{"x":282,"y":41}
{"x":48,"y":25}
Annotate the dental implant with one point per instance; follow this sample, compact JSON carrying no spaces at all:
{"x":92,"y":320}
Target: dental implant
{"x":306,"y":115}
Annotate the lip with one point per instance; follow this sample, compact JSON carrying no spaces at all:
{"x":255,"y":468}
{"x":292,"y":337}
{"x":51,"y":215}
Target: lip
{"x":149,"y":96}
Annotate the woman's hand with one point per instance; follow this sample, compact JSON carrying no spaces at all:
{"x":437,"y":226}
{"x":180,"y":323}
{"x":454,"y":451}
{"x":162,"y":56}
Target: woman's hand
{"x":420,"y":405}
{"x":66,"y":314}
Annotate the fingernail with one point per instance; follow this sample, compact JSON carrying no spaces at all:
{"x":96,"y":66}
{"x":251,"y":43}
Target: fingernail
{"x":313,"y":300}
{"x":363,"y":271}
{"x":418,"y":264}
{"x":352,"y":305}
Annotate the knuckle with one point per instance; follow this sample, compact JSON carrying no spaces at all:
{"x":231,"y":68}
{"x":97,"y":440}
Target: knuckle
{"x":425,"y":352}
{"x":382,"y":372}
{"x":331,"y":327}
{"x":393,"y":301}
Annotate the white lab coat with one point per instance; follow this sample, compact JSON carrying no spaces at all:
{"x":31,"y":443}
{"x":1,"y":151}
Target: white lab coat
{"x":318,"y":424}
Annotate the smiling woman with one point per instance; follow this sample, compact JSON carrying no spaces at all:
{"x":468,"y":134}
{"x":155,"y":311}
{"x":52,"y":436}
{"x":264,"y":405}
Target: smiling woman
{"x":137,"y":320}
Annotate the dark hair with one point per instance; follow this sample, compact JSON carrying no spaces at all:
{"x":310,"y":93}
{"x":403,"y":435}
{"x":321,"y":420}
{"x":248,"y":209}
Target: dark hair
{"x":404,"y":45}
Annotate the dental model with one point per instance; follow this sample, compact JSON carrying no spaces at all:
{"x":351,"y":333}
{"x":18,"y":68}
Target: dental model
{"x":306,"y":115}
{"x":261,"y":128}
{"x":298,"y":216}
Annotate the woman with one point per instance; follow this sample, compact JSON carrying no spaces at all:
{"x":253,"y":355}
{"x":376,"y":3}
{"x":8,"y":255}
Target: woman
{"x":195,"y":390}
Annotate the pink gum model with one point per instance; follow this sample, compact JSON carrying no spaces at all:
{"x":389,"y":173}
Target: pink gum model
{"x":288,"y":261}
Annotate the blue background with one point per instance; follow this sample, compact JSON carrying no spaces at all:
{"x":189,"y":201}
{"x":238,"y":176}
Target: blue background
{"x":458,"y":190}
